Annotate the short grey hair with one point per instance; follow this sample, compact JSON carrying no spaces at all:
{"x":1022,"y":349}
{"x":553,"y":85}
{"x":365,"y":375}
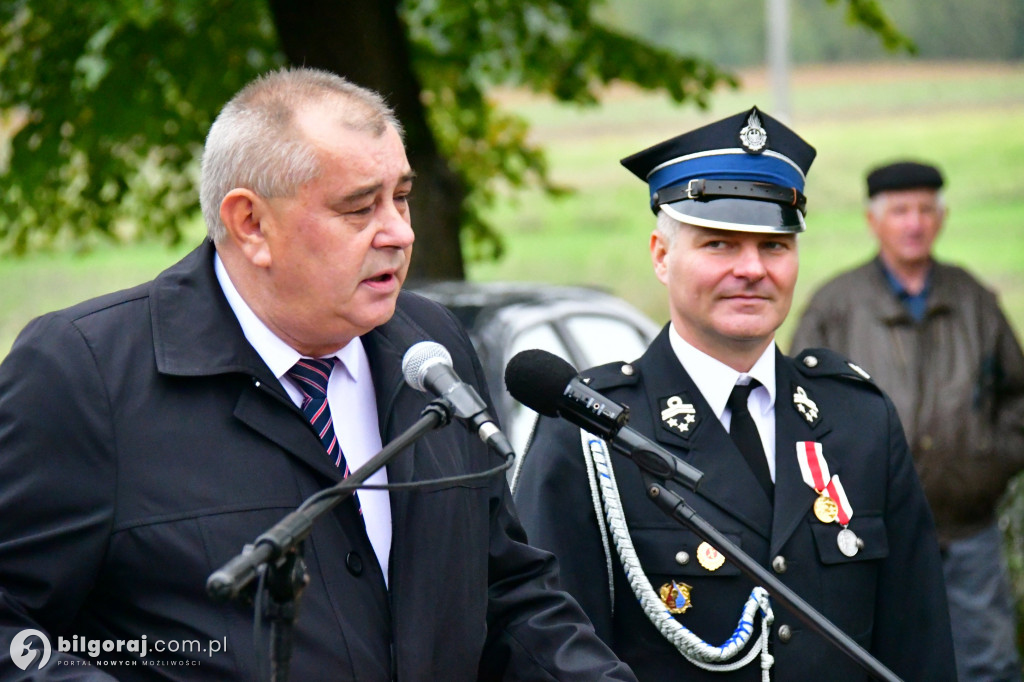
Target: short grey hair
{"x":254,"y":143}
{"x":876,"y":204}
{"x":667,"y":226}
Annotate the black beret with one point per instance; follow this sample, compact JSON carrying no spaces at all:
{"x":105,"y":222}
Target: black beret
{"x":903,"y":175}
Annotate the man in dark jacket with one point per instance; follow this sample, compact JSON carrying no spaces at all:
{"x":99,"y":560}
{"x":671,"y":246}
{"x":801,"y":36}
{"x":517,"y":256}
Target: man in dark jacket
{"x":936,"y":340}
{"x":146,"y":436}
{"x":805,"y":465}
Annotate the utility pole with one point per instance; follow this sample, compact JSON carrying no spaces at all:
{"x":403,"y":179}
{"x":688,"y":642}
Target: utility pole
{"x":777,"y":44}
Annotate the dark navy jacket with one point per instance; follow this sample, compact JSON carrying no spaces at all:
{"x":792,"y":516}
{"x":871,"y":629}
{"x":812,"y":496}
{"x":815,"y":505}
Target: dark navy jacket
{"x":889,"y":597}
{"x":143,"y":442}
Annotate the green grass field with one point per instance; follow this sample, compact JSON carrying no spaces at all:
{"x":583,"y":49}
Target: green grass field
{"x":968,"y":118}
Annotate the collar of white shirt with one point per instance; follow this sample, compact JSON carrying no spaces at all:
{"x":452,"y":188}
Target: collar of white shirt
{"x":715,"y":379}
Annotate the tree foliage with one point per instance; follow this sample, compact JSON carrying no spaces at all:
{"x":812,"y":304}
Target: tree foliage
{"x":107,"y":102}
{"x":111,"y":101}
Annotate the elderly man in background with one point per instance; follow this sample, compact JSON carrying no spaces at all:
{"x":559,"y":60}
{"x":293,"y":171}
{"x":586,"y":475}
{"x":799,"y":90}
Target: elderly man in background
{"x":936,"y":340}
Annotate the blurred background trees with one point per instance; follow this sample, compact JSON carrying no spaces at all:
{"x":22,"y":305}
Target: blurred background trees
{"x":106,"y":103}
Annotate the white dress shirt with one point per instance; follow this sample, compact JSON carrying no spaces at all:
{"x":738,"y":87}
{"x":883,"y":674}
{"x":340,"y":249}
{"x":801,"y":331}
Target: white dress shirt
{"x":715,"y":380}
{"x":352,"y":401}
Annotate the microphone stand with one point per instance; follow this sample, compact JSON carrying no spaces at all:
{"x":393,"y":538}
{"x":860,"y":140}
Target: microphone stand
{"x":275,"y":557}
{"x":675,"y":506}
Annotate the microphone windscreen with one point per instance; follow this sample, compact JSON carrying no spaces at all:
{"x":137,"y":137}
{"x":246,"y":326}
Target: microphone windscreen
{"x":537,"y":379}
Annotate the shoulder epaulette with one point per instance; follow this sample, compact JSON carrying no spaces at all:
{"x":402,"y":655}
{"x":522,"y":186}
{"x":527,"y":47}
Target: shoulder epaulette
{"x":820,"y":362}
{"x":612,"y":375}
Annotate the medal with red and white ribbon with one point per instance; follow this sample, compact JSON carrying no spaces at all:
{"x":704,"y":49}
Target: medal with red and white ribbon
{"x":814,"y":470}
{"x":832,"y":503}
{"x":849,"y":543}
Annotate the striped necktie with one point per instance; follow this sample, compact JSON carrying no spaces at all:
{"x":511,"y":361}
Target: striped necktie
{"x":311,"y":377}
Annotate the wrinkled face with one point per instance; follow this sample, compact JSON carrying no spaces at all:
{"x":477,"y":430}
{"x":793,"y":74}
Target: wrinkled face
{"x":338,"y":251}
{"x":906,"y":226}
{"x":728,"y":291}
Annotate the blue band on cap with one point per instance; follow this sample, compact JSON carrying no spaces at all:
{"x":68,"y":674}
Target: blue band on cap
{"x":728,"y":166}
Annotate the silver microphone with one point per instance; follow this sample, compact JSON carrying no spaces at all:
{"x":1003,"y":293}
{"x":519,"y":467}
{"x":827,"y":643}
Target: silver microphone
{"x":427,"y":366}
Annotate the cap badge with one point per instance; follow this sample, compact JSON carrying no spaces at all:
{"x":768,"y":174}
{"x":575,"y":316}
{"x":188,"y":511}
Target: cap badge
{"x":675,"y":596}
{"x":805,"y":406}
{"x":753,"y":136}
{"x":678,"y":416}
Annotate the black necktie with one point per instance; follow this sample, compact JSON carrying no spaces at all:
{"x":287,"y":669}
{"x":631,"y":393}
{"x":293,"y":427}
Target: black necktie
{"x":744,"y":433}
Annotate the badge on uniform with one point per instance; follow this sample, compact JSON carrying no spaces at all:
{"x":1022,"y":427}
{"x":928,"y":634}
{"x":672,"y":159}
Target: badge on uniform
{"x":805,"y":406}
{"x":832,"y":505}
{"x":678,"y":415}
{"x":675,"y":596}
{"x":709,"y":557}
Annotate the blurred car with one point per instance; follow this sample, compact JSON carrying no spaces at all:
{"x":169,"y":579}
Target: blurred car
{"x":584,"y":326}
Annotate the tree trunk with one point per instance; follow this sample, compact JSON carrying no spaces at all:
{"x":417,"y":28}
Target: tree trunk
{"x":366,"y":41}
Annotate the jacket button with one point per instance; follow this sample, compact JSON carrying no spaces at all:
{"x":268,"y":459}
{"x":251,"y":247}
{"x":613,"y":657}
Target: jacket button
{"x":811,"y":361}
{"x":354,"y":563}
{"x":682,"y":558}
{"x":779,"y":564}
{"x":627,"y":370}
{"x":785,"y":633}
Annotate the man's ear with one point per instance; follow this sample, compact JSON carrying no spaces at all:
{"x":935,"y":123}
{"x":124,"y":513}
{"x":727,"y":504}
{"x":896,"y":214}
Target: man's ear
{"x":659,"y":253}
{"x":244,"y":214}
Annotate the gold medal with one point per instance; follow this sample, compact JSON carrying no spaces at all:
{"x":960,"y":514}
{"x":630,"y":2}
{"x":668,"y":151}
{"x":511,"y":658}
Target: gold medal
{"x":675,"y":596}
{"x":826,"y":509}
{"x":709,"y":557}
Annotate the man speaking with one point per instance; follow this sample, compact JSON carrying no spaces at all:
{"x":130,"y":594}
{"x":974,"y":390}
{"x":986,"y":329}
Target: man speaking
{"x":146,"y":436}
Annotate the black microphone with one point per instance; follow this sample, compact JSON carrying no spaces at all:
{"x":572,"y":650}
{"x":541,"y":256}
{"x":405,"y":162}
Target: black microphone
{"x":550,"y":386}
{"x":427,"y":367}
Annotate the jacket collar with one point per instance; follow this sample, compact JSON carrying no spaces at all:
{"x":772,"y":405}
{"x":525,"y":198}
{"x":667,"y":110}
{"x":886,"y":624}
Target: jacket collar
{"x":886,"y":303}
{"x":728,"y":481}
{"x":196,"y":334}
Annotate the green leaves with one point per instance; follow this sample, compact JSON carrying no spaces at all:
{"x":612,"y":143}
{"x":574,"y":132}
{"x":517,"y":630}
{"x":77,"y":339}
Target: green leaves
{"x":109,"y":101}
{"x":461,"y":49}
{"x":113,"y":100}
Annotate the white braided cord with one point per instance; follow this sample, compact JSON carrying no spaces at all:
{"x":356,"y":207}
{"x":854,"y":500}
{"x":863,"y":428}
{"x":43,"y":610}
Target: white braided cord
{"x":602,"y":526}
{"x":692,"y":647}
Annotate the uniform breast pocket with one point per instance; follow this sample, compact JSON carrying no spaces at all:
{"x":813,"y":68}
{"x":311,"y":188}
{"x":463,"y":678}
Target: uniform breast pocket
{"x":849,"y":579}
{"x":868,"y":542}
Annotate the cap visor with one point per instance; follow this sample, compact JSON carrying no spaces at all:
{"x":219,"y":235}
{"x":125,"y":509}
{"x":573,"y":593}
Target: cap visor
{"x":741,"y":215}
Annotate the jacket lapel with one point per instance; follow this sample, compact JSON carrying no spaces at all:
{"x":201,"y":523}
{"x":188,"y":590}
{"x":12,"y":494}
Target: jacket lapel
{"x":728,"y":482}
{"x":793,"y":497}
{"x":388,"y":382}
{"x":196,"y":334}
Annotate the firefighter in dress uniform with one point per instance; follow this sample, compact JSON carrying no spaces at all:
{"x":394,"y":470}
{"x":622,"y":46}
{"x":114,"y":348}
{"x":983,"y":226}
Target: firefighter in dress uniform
{"x":806,"y":467}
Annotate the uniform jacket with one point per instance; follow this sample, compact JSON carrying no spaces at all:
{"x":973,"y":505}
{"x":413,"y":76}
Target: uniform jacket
{"x":956,"y":378}
{"x":888,"y":598}
{"x":143,"y":442}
